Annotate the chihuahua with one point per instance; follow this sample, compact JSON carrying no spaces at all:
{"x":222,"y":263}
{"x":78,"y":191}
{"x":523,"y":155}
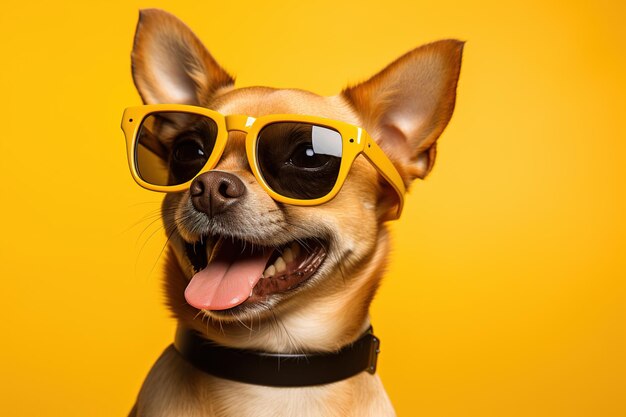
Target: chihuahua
{"x":275,"y":208}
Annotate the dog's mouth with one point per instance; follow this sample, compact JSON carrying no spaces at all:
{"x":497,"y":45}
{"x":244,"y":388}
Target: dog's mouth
{"x":230,"y":272}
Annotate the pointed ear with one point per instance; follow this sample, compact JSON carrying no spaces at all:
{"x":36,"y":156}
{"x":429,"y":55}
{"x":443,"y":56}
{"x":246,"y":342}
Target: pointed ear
{"x":406,"y":106}
{"x":170,"y":64}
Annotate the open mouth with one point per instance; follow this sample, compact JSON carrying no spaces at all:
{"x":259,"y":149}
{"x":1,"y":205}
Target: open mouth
{"x":230,"y":271}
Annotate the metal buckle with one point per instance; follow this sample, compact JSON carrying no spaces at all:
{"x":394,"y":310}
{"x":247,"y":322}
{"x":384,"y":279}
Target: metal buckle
{"x":374,"y":351}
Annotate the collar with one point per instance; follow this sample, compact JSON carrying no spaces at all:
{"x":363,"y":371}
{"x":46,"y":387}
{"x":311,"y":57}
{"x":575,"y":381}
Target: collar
{"x":278,"y":369}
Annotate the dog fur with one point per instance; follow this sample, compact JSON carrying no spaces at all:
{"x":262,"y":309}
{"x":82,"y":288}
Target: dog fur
{"x":405,"y":108}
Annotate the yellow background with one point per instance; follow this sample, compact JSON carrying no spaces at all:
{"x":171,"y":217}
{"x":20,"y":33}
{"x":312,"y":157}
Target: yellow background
{"x":506,"y":294}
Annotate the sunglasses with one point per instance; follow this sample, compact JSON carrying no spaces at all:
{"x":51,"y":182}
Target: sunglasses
{"x":296,"y":159}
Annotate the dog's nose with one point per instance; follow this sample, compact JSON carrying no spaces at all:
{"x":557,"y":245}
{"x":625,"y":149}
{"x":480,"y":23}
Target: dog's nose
{"x":215,"y":191}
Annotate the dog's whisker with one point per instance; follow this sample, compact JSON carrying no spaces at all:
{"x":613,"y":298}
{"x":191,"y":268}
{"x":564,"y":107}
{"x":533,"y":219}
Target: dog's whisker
{"x":292,"y":342}
{"x":147,"y":217}
{"x":143,"y":246}
{"x":146,"y":229}
{"x":243,"y":324}
{"x":162,"y":250}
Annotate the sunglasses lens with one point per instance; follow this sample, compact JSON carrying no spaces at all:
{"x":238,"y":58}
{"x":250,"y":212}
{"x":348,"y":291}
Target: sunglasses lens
{"x":172,"y":147}
{"x":299,"y":160}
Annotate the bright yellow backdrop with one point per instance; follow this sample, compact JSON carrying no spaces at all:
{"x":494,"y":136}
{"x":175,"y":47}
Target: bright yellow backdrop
{"x":506,"y":294}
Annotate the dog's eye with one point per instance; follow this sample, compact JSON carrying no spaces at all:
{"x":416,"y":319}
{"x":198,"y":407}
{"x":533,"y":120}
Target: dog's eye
{"x":188,"y":151}
{"x":187,"y":158}
{"x":305,"y":157}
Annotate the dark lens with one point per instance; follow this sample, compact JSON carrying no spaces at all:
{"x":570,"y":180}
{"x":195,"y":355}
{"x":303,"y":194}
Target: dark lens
{"x":299,"y":160}
{"x":172,"y":147}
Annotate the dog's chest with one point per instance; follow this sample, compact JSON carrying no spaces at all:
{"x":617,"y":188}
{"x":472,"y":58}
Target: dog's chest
{"x":174,"y":388}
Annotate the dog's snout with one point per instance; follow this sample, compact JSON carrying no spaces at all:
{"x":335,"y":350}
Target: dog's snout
{"x":215,"y":191}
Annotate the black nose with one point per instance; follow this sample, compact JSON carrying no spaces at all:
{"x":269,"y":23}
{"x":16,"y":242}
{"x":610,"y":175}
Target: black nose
{"x":215,"y":191}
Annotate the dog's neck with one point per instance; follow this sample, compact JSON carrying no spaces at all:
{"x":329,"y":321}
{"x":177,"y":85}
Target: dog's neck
{"x":327,"y":324}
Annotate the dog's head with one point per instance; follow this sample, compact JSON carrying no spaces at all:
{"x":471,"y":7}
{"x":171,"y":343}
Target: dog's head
{"x":238,"y":253}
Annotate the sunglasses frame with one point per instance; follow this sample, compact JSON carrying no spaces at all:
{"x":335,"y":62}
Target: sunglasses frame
{"x":355,"y":141}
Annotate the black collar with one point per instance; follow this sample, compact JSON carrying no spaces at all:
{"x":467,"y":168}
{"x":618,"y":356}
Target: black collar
{"x":278,"y":369}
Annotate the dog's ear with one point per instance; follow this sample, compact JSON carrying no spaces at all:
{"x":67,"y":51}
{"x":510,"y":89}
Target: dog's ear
{"x":406,"y":106}
{"x":170,"y":64}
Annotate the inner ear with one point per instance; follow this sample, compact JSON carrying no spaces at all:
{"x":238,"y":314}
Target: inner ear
{"x":424,"y":161}
{"x":170,"y":64}
{"x":172,"y":81}
{"x":407,"y":105}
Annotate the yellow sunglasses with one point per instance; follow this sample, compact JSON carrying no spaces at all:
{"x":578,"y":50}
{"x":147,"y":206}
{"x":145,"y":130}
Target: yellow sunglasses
{"x":300,"y":160}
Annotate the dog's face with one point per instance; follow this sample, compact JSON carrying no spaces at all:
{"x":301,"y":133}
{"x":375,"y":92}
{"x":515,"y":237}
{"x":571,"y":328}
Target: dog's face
{"x":243,"y":254}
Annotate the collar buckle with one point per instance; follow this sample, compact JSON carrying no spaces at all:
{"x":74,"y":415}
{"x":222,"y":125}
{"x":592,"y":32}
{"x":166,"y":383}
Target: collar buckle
{"x":374,"y":351}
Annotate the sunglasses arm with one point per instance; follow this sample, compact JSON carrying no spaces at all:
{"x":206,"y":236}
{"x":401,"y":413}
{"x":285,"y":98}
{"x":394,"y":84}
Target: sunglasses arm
{"x":385,"y":167}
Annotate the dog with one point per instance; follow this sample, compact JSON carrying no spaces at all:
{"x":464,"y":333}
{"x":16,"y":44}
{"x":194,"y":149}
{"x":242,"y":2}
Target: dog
{"x":276,"y":257}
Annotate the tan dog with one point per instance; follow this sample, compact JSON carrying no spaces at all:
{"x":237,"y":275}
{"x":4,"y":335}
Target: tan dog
{"x":405,"y":108}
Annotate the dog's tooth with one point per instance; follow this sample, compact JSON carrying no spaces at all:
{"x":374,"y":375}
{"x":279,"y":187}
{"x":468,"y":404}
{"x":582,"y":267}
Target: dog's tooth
{"x":295,"y":248}
{"x":271,"y":270}
{"x":288,"y":255}
{"x":280,"y":264}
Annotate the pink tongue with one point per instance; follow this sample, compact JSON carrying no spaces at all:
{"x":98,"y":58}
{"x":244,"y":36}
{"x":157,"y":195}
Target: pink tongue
{"x":228,"y":280}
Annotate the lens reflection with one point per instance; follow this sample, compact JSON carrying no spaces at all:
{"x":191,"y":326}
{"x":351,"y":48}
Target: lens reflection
{"x":299,"y":160}
{"x":172,"y":147}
